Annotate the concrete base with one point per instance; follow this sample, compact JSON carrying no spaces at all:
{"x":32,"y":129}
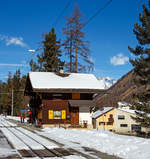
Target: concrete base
{"x":56,"y":125}
{"x":66,"y":126}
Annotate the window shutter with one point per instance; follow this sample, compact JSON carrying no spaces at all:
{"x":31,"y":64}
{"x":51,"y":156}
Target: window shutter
{"x":63,"y":114}
{"x":50,"y":114}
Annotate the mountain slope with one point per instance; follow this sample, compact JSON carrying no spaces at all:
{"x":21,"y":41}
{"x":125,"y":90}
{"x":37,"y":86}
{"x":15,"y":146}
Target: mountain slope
{"x":122,"y":90}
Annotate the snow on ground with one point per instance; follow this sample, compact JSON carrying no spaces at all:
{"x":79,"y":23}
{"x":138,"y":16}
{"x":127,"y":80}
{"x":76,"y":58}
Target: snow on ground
{"x":16,"y":118}
{"x":28,"y":141}
{"x":5,"y":122}
{"x":32,"y":158}
{"x":5,"y":149}
{"x":21,"y":137}
{"x":18,"y":144}
{"x":39,"y":139}
{"x":67,"y":157}
{"x":5,"y":152}
{"x":127,"y":147}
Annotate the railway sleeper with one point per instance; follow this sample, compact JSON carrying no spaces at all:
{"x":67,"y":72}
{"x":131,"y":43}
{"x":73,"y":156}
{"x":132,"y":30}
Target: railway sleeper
{"x":44,"y":153}
{"x":63,"y":151}
{"x":26,"y":153}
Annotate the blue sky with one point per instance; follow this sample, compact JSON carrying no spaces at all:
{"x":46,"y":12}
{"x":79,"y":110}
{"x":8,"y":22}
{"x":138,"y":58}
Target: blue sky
{"x":23,"y":23}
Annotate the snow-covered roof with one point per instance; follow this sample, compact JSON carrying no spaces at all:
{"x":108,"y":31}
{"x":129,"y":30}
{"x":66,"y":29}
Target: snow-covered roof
{"x":124,"y":104}
{"x":127,"y":110}
{"x":100,"y":112}
{"x":131,"y":111}
{"x":50,"y":80}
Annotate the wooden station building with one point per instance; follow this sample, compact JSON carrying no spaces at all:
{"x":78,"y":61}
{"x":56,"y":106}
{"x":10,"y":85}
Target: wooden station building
{"x":59,"y":98}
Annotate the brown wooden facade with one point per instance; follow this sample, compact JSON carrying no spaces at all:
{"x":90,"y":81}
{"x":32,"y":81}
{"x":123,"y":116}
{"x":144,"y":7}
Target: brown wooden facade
{"x":54,"y":107}
{"x":49,"y":107}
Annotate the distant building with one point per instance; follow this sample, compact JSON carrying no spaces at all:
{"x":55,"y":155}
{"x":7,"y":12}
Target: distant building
{"x":62,"y":99}
{"x":124,"y":122}
{"x":116,"y":119}
{"x":104,"y":119}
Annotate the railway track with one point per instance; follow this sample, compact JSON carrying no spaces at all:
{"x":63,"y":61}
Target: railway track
{"x":29,"y":144}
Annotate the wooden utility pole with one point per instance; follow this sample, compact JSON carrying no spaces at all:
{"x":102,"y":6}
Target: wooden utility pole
{"x":12,"y":102}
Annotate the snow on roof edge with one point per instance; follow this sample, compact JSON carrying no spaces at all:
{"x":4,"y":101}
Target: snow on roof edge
{"x":50,"y":80}
{"x":101,"y":112}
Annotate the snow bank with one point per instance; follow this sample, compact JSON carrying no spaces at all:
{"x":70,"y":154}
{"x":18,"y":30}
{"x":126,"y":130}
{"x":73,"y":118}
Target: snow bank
{"x":67,"y":157}
{"x":127,"y":147}
{"x":4,"y":152}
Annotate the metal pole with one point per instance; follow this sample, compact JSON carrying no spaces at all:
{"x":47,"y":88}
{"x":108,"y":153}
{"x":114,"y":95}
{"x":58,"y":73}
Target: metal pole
{"x":12,"y":102}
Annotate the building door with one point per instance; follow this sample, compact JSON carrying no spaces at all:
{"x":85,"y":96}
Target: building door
{"x":74,"y":111}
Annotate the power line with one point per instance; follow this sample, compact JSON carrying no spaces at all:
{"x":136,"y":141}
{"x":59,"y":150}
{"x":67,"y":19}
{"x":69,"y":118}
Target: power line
{"x":61,"y":13}
{"x":98,"y":11}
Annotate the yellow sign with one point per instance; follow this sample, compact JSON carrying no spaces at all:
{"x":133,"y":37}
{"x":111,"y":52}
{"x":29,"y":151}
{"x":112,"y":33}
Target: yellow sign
{"x":50,"y":114}
{"x":63,"y":114}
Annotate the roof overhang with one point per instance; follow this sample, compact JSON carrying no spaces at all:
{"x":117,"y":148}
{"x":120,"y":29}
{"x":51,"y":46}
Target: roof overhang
{"x":65,"y":90}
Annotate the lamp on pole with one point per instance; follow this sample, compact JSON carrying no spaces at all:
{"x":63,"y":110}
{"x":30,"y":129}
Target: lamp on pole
{"x":31,"y":51}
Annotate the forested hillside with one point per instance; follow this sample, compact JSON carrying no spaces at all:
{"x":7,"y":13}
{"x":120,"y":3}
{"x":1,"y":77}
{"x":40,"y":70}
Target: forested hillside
{"x":12,"y":93}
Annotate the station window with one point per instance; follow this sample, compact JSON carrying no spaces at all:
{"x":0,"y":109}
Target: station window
{"x":101,"y":123}
{"x":121,"y":117}
{"x":57,"y":115}
{"x":123,"y":125}
{"x":136,"y":128}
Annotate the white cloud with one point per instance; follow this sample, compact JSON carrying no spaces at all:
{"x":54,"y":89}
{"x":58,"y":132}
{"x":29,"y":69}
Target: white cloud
{"x":16,"y":41}
{"x":119,"y":59}
{"x":13,"y":41}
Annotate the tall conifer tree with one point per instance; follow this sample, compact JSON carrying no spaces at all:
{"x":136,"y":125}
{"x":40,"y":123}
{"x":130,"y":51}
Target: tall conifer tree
{"x":49,"y":60}
{"x":142,"y":66}
{"x":18,"y":93}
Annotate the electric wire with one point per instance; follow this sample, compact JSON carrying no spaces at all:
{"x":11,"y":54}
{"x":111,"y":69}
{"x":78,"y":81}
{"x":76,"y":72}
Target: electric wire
{"x":61,"y":13}
{"x":97,"y":12}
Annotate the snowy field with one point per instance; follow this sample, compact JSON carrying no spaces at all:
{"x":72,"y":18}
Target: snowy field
{"x":126,"y":147}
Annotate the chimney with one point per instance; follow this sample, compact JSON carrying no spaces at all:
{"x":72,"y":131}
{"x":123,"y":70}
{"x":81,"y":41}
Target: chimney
{"x":61,"y":71}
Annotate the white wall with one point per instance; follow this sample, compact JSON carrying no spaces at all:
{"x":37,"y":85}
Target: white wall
{"x":128,"y":120}
{"x":84,"y":114}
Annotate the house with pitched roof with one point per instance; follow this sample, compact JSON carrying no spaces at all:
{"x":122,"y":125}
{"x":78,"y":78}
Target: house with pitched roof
{"x":104,"y":119}
{"x":60,"y":98}
{"x":117,"y":119}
